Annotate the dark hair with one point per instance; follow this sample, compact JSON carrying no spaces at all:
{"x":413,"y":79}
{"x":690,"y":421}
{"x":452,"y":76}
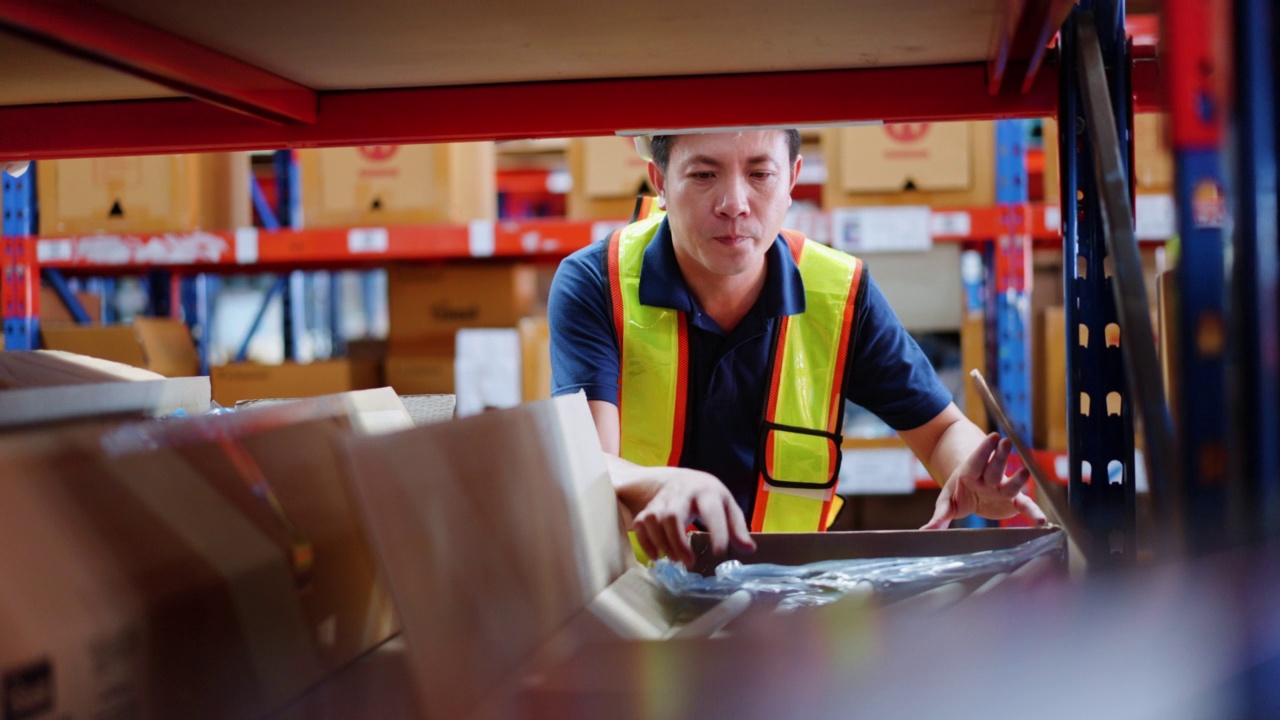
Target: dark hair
{"x":660,"y":147}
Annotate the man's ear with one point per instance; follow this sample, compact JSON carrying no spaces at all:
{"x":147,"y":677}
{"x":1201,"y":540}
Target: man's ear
{"x":795,"y":173}
{"x":658,"y":182}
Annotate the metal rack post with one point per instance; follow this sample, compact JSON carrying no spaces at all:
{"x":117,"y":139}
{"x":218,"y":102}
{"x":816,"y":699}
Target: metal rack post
{"x":19,"y":270}
{"x":1101,"y":486}
{"x":1254,"y":327}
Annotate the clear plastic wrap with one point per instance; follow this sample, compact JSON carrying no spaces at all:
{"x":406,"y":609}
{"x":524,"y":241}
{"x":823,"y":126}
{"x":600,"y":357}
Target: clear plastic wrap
{"x":889,"y":579}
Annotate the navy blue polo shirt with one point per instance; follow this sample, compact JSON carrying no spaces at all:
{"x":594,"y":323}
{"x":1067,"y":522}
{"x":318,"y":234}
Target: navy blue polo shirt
{"x":728,"y":381}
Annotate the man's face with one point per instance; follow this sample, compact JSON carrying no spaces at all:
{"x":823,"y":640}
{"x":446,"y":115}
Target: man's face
{"x":726,"y":195}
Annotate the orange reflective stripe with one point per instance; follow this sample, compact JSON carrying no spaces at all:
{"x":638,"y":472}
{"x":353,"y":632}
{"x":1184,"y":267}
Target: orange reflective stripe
{"x":762,"y":495}
{"x":615,"y":289}
{"x":795,"y":241}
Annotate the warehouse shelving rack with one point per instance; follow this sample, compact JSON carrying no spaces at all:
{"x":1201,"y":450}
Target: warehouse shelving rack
{"x":203,"y":99}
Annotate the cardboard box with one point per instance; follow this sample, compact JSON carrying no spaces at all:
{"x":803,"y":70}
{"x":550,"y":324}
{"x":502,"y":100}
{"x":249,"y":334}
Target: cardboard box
{"x":398,"y":184}
{"x":936,"y":164}
{"x":166,"y":601}
{"x":486,"y":368}
{"x":1050,"y":393}
{"x":1152,"y":158}
{"x":154,"y":193}
{"x":48,"y":386}
{"x":251,"y":381}
{"x":420,"y":374}
{"x":162,"y":345}
{"x":607,"y":177}
{"x":500,"y":576}
{"x":428,"y":302}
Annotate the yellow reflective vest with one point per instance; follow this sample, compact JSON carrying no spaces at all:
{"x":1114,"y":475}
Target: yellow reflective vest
{"x":798,"y":455}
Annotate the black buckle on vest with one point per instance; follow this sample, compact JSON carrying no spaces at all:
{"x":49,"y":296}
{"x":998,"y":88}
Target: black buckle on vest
{"x":836,"y":440}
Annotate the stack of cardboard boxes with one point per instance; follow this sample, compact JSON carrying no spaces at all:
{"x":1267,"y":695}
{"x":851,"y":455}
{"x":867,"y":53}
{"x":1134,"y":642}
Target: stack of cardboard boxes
{"x":472,"y":329}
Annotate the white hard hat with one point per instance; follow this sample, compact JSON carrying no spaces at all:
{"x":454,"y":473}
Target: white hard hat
{"x":644,"y":146}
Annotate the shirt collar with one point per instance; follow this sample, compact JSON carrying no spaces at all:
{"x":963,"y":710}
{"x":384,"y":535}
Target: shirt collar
{"x":662,"y":284}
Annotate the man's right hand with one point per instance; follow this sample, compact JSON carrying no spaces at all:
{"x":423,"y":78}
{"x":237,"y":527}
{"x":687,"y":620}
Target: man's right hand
{"x":665,"y":500}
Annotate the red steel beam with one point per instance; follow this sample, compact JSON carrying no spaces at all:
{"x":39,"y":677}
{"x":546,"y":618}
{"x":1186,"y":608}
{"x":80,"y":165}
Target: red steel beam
{"x":118,"y":41}
{"x":1055,"y":14}
{"x":524,"y":110}
{"x":532,"y":110}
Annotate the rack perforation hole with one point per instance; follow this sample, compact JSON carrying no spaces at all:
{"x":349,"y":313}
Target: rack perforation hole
{"x":1114,"y":402}
{"x":1084,"y":404}
{"x":1113,"y":334}
{"x":1115,"y":473}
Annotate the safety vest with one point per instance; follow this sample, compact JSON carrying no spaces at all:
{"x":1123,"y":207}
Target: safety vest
{"x":798,"y":451}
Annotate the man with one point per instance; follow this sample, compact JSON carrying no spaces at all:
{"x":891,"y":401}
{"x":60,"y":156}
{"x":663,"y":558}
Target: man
{"x":716,"y":352}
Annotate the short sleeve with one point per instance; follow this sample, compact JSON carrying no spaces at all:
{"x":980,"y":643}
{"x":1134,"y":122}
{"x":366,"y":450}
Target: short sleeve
{"x":890,"y":374}
{"x":584,"y":349}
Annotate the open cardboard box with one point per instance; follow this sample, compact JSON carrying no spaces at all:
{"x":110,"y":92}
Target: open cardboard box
{"x":177,"y":590}
{"x":506,"y":556}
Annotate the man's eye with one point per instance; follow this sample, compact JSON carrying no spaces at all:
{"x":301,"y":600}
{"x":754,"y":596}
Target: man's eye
{"x":761,"y":175}
{"x":703,"y":175}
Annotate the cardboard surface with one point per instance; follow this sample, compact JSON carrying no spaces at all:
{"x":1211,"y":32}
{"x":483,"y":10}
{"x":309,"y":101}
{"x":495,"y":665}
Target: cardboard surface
{"x":162,"y":345}
{"x":420,"y":374}
{"x":1051,"y":391}
{"x":166,"y":602}
{"x":53,"y":312}
{"x":251,"y":381}
{"x":612,"y":168}
{"x":154,"y":193}
{"x":427,"y":302}
{"x":140,"y":398}
{"x":47,"y":368}
{"x":398,"y":184}
{"x":489,"y":547}
{"x":935,"y":164}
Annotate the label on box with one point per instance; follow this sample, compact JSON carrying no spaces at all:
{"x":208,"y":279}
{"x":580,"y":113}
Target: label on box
{"x":367,"y":240}
{"x":887,"y":229}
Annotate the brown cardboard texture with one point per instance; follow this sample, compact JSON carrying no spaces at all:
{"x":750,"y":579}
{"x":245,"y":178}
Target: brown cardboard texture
{"x":162,"y":345}
{"x":51,"y":368}
{"x":52,"y":389}
{"x":154,"y":193}
{"x":165,"y":602}
{"x":494,"y":531}
{"x":420,"y":374}
{"x":251,"y":381}
{"x":611,"y":172}
{"x":398,"y":184}
{"x":54,"y":312}
{"x":938,"y":164}
{"x":426,"y":302}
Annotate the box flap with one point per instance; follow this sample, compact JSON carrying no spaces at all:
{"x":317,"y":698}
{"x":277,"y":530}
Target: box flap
{"x":109,"y":342}
{"x":167,"y":346}
{"x":44,"y":368}
{"x":504,"y":523}
{"x":148,"y":398}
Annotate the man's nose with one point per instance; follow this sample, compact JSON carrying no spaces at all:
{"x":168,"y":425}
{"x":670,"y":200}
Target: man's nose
{"x":733,"y":198}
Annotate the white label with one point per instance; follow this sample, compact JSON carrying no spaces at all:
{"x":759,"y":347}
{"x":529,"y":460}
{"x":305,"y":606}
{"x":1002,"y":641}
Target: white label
{"x":1154,"y":217}
{"x":49,"y":251}
{"x":481,"y":238}
{"x":1053,"y":218}
{"x":868,"y":230}
{"x":246,"y":245}
{"x":950,"y":224}
{"x":882,"y":471}
{"x":367,"y":240}
{"x":486,"y":369}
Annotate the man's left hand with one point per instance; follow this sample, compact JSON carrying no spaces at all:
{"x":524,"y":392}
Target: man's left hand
{"x":979,"y":486}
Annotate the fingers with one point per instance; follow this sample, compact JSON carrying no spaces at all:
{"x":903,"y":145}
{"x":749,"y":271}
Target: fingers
{"x":1013,"y":485}
{"x":714,"y":518}
{"x":975,"y":465}
{"x":944,"y":511}
{"x":678,"y":547}
{"x":739,"y":533}
{"x":1028,"y":507}
{"x":994,"y":470}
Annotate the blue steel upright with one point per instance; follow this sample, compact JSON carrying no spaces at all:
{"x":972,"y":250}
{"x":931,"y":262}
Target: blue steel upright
{"x":1253,"y":447}
{"x":1013,"y":284}
{"x":19,"y":274}
{"x":1100,"y":440}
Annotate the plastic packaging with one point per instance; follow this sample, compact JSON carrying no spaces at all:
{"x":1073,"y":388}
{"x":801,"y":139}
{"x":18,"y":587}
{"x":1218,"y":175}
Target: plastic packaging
{"x":890,"y":579}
